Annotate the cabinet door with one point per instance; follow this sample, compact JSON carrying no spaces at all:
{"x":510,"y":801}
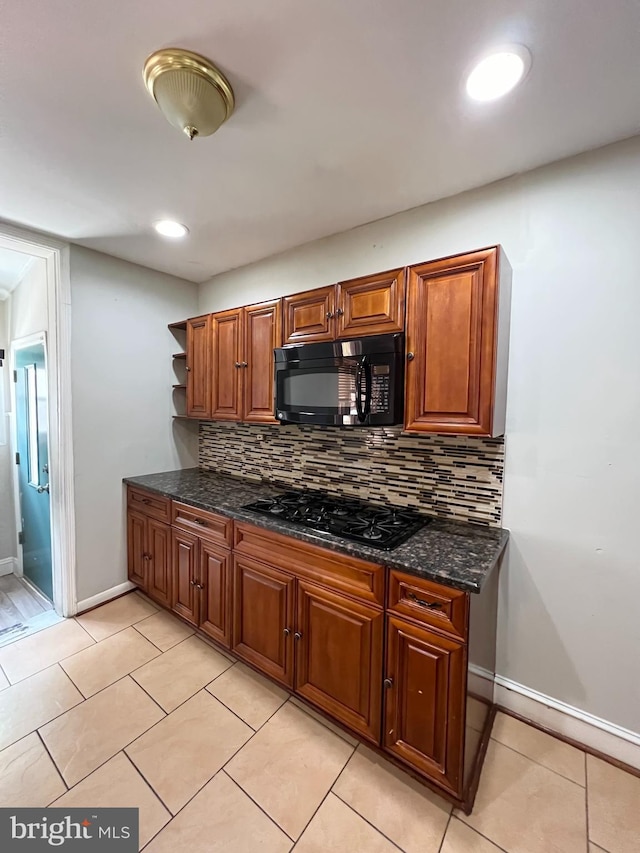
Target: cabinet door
{"x":137,"y":556}
{"x":184,"y":592}
{"x":425,"y":693}
{"x":310,"y":316}
{"x":451,"y":331}
{"x":262,"y":333}
{"x":215,"y":594}
{"x":199,"y":366}
{"x":227,"y":370}
{"x":373,"y":305}
{"x":338,"y":646}
{"x":159,"y":550}
{"x":263,"y":617}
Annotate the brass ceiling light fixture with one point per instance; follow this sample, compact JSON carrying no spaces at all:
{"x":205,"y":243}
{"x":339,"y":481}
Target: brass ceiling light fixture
{"x":192,"y":93}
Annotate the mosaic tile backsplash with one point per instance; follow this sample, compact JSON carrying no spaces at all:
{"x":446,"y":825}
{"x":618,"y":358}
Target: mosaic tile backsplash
{"x":457,"y":477}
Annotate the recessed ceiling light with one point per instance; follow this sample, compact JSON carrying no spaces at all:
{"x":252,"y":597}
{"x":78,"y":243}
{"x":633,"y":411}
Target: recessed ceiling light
{"x":169,"y":228}
{"x":498,"y":73}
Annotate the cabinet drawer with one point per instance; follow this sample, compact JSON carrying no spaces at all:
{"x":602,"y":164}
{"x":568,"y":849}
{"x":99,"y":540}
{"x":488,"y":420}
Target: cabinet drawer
{"x":217,"y":528}
{"x":430,"y":603}
{"x":346,"y":574}
{"x":149,"y":503}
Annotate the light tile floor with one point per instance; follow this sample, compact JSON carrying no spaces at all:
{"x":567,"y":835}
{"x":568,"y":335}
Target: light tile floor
{"x":126,"y":707}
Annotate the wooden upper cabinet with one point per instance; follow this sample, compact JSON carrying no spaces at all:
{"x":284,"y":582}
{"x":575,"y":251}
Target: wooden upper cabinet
{"x":262,"y":334}
{"x":373,"y":305}
{"x":457,"y":344}
{"x":199,"y":366}
{"x":425,"y":695}
{"x":309,"y":317}
{"x":226,"y":372}
{"x":338,"y":645}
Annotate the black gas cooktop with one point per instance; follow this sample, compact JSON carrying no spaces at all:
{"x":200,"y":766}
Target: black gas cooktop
{"x":377,"y":526}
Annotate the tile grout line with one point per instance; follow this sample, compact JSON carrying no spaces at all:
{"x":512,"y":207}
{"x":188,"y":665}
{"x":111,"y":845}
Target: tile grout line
{"x":162,"y":651}
{"x":102,"y":763}
{"x":57,"y":769}
{"x":220,"y":769}
{"x":330,"y":791}
{"x":62,"y":713}
{"x":477,"y":832}
{"x":446,"y":829}
{"x":257,"y":805}
{"x":550,"y":769}
{"x":148,"y":784}
{"x":366,"y":820}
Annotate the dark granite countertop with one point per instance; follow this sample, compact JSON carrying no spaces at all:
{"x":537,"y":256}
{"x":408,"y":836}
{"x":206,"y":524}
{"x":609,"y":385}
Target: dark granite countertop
{"x":457,"y":554}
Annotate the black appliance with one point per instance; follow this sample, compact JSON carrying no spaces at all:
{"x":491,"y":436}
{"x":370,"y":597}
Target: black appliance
{"x":353,"y":382}
{"x":377,"y":526}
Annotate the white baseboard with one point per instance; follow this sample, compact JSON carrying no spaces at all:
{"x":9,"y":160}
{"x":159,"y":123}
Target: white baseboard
{"x":557,"y":716}
{"x":8,"y":566}
{"x":107,"y":595}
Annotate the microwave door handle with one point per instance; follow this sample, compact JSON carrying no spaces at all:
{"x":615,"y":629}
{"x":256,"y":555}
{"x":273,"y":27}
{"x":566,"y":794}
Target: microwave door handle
{"x":368,"y":387}
{"x":359,"y":373}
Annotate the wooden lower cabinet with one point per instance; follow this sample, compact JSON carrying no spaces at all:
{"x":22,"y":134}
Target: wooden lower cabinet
{"x":338,"y":646}
{"x":184,"y":590}
{"x":263,"y":617}
{"x":215,"y":592}
{"x":425,"y":695}
{"x":159,"y":563}
{"x":148,"y":555}
{"x":137,"y":549}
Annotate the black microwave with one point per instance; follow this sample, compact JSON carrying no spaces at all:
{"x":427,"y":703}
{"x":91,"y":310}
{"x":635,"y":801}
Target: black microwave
{"x":358,"y":382}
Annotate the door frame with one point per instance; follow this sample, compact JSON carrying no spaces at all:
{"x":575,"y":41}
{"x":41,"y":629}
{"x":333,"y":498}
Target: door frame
{"x":56,"y":254}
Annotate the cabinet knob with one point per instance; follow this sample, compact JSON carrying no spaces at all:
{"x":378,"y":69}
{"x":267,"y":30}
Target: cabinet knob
{"x":388,"y":682}
{"x":188,"y":369}
{"x":200,"y":585}
{"x":244,"y":364}
{"x":329,"y":315}
{"x":237,"y":364}
{"x":339,"y":312}
{"x":286,"y":632}
{"x":410,"y":356}
{"x":297,"y":635}
{"x":193,"y":583}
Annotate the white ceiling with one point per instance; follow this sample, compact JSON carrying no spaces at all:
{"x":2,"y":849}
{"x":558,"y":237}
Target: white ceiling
{"x":347,"y":111}
{"x":13,"y":266}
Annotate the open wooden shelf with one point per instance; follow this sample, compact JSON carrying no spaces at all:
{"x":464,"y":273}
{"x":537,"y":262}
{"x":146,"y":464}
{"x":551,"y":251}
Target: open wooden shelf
{"x":179,"y":355}
{"x":181,"y":387}
{"x":178,"y":327}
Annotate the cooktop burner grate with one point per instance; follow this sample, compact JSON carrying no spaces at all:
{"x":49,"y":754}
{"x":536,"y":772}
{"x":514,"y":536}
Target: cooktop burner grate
{"x":377,"y":526}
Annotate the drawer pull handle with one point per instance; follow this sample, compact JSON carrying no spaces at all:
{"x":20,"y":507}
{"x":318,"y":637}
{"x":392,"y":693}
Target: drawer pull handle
{"x":431,"y":605}
{"x":388,"y":682}
{"x":146,"y":501}
{"x":200,"y":521}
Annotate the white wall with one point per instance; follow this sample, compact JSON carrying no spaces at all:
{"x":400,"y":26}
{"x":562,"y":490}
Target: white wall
{"x":28,"y":302}
{"x":570,"y":591}
{"x":8,"y":544}
{"x":121,"y":384}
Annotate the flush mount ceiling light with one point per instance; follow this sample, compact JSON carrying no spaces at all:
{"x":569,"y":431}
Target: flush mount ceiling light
{"x":169,"y":228}
{"x":498,"y":73}
{"x":192,"y":94}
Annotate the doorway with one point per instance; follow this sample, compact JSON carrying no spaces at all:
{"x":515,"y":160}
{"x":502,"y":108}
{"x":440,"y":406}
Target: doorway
{"x":32,"y":462}
{"x":37,"y":580}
